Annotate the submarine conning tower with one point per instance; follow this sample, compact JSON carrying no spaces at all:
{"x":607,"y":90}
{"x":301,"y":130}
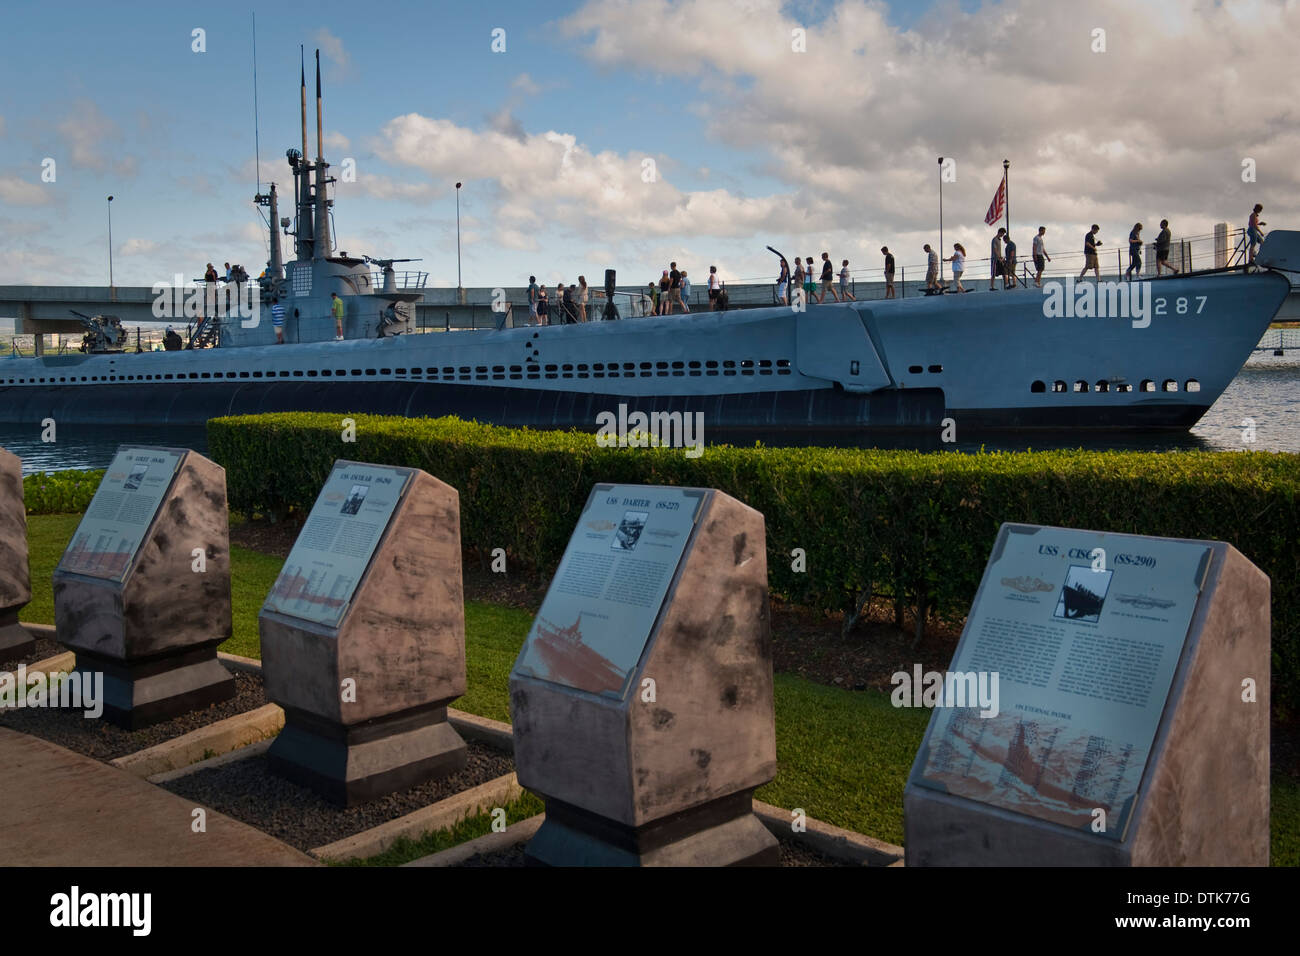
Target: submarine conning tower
{"x":315,"y":271}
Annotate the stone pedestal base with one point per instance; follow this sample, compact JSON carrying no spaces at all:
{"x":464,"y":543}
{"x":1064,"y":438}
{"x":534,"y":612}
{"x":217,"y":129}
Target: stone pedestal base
{"x":952,"y":831}
{"x":348,"y":765}
{"x":146,"y":691}
{"x":15,"y":641}
{"x":724,"y":832}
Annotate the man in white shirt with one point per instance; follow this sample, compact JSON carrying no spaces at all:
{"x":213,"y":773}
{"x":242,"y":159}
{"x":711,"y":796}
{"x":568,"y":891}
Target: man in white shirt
{"x":1041,"y":258}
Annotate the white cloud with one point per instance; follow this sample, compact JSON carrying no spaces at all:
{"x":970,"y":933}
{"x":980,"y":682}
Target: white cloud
{"x":523,"y":83}
{"x":125,"y":167}
{"x":20,"y":192}
{"x":378,"y":186}
{"x":552,"y":182}
{"x":855,"y":123}
{"x":27,"y":260}
{"x":504,"y":122}
{"x":336,"y":142}
{"x":332,"y":47}
{"x":92,"y":139}
{"x":138,"y":247}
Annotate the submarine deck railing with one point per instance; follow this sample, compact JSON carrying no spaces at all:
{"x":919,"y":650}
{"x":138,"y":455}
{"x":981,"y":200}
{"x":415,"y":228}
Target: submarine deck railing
{"x":405,"y":281}
{"x":1275,"y":341}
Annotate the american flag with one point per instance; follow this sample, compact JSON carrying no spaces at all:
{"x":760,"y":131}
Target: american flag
{"x":998,"y":206}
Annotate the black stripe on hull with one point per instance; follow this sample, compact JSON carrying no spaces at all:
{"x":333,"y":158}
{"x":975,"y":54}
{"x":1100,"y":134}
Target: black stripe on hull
{"x":1136,"y":417}
{"x":828,"y":409}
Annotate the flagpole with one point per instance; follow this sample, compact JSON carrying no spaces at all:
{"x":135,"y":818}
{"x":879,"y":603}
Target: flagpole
{"x":1006,"y":165}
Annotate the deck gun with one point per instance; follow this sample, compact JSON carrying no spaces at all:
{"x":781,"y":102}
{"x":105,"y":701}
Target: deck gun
{"x":104,"y":333}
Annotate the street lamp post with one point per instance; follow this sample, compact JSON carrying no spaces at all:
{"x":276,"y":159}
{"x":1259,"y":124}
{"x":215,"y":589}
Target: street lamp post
{"x":110,"y":242}
{"x":458,"y":285}
{"x":941,"y":245}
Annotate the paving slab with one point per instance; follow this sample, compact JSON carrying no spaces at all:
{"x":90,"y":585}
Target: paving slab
{"x":58,"y":808}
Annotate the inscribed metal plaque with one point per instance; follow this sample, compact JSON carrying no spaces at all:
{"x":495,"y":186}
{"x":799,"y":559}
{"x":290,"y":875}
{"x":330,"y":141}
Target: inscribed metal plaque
{"x":121,"y":511}
{"x":336,"y":543}
{"x":609,"y":587}
{"x":1084,"y":646}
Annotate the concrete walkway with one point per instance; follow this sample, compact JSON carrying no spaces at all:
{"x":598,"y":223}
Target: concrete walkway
{"x":58,"y":808}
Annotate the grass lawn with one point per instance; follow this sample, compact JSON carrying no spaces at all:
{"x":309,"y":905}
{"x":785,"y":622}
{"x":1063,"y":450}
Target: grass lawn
{"x":843,"y":756}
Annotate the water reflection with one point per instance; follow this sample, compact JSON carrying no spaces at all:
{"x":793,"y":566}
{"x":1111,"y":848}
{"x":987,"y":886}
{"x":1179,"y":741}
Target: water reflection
{"x":92,"y":446}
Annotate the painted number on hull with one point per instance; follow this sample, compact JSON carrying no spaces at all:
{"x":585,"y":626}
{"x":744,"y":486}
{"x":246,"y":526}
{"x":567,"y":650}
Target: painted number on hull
{"x":1181,"y":305}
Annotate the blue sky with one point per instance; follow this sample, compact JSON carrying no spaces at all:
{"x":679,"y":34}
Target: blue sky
{"x":831,"y":146}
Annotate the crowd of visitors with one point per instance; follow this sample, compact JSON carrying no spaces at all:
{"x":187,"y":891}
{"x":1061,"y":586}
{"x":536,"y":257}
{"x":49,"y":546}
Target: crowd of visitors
{"x":809,"y":283}
{"x":568,"y":304}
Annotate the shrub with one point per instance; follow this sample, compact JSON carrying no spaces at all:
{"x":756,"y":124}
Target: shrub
{"x":917,"y":527}
{"x":60,"y":492}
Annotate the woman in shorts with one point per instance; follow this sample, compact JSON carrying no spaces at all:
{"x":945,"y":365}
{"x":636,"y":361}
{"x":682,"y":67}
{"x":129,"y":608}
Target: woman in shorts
{"x":958,"y":260}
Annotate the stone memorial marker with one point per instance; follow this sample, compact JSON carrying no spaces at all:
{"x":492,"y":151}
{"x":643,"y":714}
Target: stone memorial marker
{"x":642,"y":698}
{"x":143,"y":591}
{"x":1130,"y":723}
{"x":15,"y":578}
{"x":363,"y":636}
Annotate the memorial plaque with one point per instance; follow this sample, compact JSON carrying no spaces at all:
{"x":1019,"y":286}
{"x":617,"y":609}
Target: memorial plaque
{"x":142,"y":593}
{"x":363,"y":636}
{"x":1088,"y":635}
{"x":1084,"y":656}
{"x":117,"y":518}
{"x":15,"y":577}
{"x":609,"y":587}
{"x":337,"y":541}
{"x":642,"y":698}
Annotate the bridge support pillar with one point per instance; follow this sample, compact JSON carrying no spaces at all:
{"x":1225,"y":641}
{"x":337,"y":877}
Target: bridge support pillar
{"x":25,"y":313}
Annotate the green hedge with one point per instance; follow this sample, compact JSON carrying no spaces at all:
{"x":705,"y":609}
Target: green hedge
{"x":60,"y":492}
{"x":913,"y":526}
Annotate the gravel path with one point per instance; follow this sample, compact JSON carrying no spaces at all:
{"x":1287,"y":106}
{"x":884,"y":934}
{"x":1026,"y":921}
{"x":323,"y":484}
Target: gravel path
{"x":248,"y":791}
{"x":792,"y":854}
{"x":104,"y":741}
{"x":44,"y":648}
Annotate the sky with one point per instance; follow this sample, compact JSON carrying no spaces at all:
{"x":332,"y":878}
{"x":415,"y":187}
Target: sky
{"x":628,"y":133}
